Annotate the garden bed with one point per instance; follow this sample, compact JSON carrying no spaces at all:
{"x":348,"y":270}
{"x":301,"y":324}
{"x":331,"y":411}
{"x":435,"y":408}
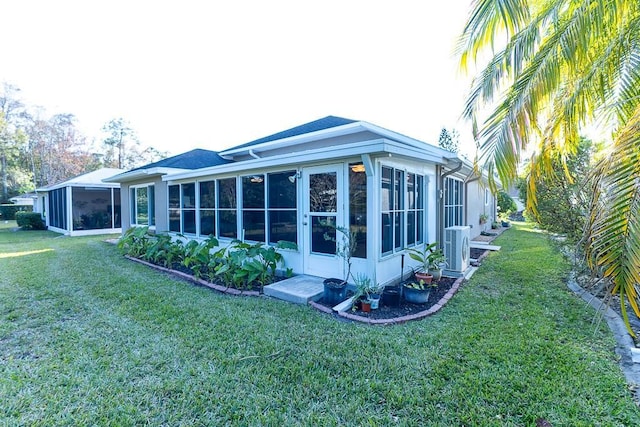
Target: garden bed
{"x":404,"y":311}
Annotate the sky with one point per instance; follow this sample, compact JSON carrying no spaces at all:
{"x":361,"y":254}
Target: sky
{"x":214,"y":74}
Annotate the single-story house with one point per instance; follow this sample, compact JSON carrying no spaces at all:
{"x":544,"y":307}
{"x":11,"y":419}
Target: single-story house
{"x":82,"y":205}
{"x":394,"y":192}
{"x":23,"y":199}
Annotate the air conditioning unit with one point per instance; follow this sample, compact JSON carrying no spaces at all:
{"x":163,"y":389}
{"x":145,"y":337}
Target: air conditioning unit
{"x":456,"y":249}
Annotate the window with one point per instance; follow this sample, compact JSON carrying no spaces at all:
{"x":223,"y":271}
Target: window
{"x":453,"y":202}
{"x":174,"y":208}
{"x":143,"y":205}
{"x":58,"y":208}
{"x":358,"y":207}
{"x":227,"y":205}
{"x":282,"y":207}
{"x":392,"y":196}
{"x":415,"y":209}
{"x":487,"y":197}
{"x":402,"y":196}
{"x":253,"y":212}
{"x":207,"y":208}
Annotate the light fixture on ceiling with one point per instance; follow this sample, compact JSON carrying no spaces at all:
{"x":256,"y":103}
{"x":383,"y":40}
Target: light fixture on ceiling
{"x":292,"y":178}
{"x":257,"y":179}
{"x":358,"y":168}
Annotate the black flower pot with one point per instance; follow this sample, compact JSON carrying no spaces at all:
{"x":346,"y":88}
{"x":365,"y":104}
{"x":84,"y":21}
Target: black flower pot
{"x":335,"y":291}
{"x":391,"y":297}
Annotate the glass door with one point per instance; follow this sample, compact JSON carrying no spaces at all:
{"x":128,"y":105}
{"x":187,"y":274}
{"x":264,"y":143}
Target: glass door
{"x":323,"y":208}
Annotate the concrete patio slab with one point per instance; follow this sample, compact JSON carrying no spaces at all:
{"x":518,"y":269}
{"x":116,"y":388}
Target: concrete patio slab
{"x":298,"y":289}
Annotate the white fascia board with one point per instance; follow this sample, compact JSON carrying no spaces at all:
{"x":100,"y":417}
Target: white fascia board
{"x":297,"y":139}
{"x":432,"y":149}
{"x":375,"y":146}
{"x":142,"y":173}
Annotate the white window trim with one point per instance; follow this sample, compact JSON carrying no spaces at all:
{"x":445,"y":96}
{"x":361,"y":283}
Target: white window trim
{"x":135,"y":205}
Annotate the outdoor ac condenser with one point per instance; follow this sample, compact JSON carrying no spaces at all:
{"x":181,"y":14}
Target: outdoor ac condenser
{"x":456,"y":249}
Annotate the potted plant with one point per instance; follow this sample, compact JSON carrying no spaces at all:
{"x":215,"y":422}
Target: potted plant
{"x":417,"y":292}
{"x":361,"y":294}
{"x":484,"y":218}
{"x":375,"y":292}
{"x":335,"y":290}
{"x":437,"y":262}
{"x":422,"y":256}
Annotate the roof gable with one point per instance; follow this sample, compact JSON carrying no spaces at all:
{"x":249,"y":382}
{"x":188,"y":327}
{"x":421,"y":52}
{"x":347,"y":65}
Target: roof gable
{"x":316,"y":125}
{"x":194,"y":159}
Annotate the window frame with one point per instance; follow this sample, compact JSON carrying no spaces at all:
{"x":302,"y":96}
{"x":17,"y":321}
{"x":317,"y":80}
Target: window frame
{"x":133,"y":208}
{"x":453,"y":209}
{"x":402,"y":208}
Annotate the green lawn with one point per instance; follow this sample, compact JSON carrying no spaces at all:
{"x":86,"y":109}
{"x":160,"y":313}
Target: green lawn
{"x":89,"y":338}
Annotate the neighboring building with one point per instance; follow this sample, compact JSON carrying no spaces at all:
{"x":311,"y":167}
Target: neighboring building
{"x":24,"y":199}
{"x":393,"y":191}
{"x":82,"y":205}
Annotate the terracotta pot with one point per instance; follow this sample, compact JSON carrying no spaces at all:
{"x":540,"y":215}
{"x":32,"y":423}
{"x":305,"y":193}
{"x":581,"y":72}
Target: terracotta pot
{"x":426,"y":277}
{"x":366,"y":306}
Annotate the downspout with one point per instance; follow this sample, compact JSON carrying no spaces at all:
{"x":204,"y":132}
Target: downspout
{"x":252,"y":154}
{"x":440,"y":201}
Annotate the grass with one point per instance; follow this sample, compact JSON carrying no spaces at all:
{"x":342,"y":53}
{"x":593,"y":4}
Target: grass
{"x":87,"y":337}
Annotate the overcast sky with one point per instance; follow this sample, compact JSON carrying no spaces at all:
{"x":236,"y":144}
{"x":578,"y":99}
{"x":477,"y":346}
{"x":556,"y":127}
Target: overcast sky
{"x":213,"y":74}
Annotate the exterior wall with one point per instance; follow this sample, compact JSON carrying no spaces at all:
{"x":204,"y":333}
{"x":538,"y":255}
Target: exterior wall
{"x":160,"y":205}
{"x":477,"y":204}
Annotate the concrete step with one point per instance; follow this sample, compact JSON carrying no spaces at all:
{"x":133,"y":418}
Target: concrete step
{"x":298,"y":289}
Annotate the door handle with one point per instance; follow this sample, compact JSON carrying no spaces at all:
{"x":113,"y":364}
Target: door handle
{"x":304,"y":223}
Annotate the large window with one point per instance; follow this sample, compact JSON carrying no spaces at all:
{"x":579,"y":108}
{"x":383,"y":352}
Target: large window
{"x":207,"y":208}
{"x":415,"y":209}
{"x":253,"y":208}
{"x":358,"y":207}
{"x":392,"y":196}
{"x":143,"y":205}
{"x":174,"y":208}
{"x":402,"y":197}
{"x":453,"y":202}
{"x":227,"y":208}
{"x":58,"y":208}
{"x":282,"y":207}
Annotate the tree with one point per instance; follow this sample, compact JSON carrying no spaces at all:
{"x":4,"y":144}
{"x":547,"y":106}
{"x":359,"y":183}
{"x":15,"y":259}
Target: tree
{"x":449,"y":140}
{"x":562,"y":64}
{"x":123,"y":148}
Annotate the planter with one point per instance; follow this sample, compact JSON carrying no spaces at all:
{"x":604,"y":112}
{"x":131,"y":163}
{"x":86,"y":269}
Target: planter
{"x":366,"y":306}
{"x":416,"y":296}
{"x":391,"y":297}
{"x":437,"y":274}
{"x":425,"y":277}
{"x":375,"y":301}
{"x":335,"y":291}
{"x":506,"y":224}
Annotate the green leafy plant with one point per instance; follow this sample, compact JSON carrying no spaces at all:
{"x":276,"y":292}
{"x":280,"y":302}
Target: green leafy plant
{"x":421,"y":285}
{"x":198,"y":255}
{"x":135,"y":241}
{"x":430,"y":257}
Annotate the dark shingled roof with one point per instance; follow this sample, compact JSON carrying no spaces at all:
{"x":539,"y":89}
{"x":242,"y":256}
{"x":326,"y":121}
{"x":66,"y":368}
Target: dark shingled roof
{"x":324,"y":123}
{"x":194,"y":159}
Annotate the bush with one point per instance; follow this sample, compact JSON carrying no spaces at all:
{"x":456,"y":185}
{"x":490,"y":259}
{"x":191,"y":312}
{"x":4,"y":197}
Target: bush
{"x":506,"y":203}
{"x":30,"y":221}
{"x":8,"y":212}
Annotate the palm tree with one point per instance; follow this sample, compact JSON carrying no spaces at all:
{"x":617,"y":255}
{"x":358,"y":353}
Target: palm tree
{"x":554,"y":67}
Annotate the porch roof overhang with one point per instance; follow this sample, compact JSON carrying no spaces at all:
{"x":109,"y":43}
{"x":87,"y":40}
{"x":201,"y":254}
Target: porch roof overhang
{"x":139,"y":174}
{"x":337,"y":131}
{"x":375,"y":148}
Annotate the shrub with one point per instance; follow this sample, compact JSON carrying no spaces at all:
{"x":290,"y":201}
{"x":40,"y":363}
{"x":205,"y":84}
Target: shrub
{"x":8,"y":212}
{"x":30,"y":221}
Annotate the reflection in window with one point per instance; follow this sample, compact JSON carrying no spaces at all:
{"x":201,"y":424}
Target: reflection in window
{"x":174,"y":208}
{"x":188,"y":208}
{"x":323,"y":192}
{"x":253,"y":212}
{"x":415,"y":209}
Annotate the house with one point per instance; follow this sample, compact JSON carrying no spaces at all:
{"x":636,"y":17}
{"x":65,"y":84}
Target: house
{"x":392,"y":191}
{"x":82,"y":205}
{"x":23,"y":199}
